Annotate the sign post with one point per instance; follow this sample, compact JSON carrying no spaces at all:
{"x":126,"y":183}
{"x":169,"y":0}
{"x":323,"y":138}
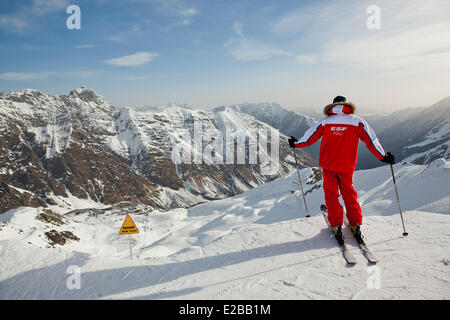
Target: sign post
{"x":128,"y":227}
{"x":129,"y":245}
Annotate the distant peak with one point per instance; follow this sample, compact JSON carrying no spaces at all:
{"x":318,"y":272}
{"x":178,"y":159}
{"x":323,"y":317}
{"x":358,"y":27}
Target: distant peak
{"x":25,"y":95}
{"x":24,"y":91}
{"x":177,"y":105}
{"x":160,"y":108}
{"x":81,"y":90}
{"x":86,"y":94}
{"x":445,"y":101}
{"x":226,"y":108}
{"x":261,"y":104}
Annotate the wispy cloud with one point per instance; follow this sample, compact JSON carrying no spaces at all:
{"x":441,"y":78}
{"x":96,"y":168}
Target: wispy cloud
{"x":132,"y":78}
{"x":179,"y":9}
{"x":23,"y":76}
{"x":135,"y":59}
{"x":245,"y":49}
{"x":187,"y":15}
{"x":422,"y":49}
{"x":306,"y":59}
{"x":30,"y":76}
{"x":27,"y":17}
{"x":410,"y":40}
{"x":13,"y":23}
{"x":44,"y":7}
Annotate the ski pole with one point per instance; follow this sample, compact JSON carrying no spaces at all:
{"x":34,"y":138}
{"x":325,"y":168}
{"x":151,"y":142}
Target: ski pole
{"x":398,"y":201}
{"x":301,"y":185}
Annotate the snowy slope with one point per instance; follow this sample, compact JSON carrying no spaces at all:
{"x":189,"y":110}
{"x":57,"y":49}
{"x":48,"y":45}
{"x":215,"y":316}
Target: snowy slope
{"x":440,"y":151}
{"x":435,"y":144}
{"x":257,"y":245}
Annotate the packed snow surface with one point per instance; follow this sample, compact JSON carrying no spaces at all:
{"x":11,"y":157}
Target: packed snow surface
{"x":257,"y":245}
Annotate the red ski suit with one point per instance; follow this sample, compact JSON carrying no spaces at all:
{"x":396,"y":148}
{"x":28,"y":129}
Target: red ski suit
{"x":340,"y":131}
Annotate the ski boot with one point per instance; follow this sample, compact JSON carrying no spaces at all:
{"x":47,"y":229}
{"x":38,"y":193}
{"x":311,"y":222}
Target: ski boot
{"x":356,"y":230}
{"x":338,"y":234}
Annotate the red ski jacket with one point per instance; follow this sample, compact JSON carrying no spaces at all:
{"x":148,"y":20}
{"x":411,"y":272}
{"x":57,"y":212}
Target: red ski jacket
{"x":340,"y":131}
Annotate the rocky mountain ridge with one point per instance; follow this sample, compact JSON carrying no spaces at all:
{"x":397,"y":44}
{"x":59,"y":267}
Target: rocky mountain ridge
{"x":57,"y":149}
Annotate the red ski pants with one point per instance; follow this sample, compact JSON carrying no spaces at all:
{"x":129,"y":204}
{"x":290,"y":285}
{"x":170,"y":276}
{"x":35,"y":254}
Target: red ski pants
{"x":343,"y":181}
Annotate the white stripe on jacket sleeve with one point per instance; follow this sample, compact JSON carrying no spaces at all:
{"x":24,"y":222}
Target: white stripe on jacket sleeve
{"x":373,"y":137}
{"x":309,"y":133}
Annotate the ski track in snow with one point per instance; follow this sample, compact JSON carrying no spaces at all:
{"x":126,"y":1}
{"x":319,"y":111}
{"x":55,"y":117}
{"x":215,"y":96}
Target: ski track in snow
{"x":257,"y":245}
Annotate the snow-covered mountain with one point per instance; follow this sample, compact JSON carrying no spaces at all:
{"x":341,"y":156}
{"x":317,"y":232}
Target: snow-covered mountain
{"x":435,"y":141}
{"x":57,"y":149}
{"x":256,"y":245}
{"x":290,"y":123}
{"x":418,"y":135}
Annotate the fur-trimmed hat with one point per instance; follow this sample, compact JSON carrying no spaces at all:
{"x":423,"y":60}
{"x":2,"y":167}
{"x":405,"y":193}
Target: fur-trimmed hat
{"x":337,"y":101}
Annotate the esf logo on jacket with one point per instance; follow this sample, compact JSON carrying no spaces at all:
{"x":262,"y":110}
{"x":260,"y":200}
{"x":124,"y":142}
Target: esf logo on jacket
{"x":338,"y":130}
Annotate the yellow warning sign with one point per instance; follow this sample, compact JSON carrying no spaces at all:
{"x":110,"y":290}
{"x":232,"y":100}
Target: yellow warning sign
{"x":128,"y":226}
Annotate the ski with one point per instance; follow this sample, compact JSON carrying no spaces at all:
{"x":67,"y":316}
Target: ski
{"x":363,"y":246}
{"x":348,"y":256}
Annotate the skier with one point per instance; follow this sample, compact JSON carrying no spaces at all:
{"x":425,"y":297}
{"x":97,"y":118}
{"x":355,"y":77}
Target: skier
{"x":340,"y":131}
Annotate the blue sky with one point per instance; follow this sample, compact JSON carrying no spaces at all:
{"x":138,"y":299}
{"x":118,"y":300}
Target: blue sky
{"x":215,"y":52}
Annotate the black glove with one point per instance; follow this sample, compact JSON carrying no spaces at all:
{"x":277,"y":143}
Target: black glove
{"x":291,"y":141}
{"x":388,"y":158}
